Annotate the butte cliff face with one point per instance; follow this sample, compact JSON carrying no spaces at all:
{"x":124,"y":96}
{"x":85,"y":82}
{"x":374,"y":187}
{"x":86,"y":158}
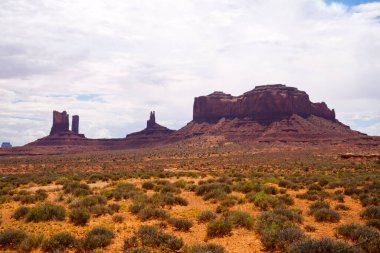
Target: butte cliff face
{"x":264,"y":103}
{"x":60,"y":122}
{"x":268,"y":113}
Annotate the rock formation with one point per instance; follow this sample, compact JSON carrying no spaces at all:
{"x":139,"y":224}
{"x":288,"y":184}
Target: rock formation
{"x":75,"y":124}
{"x":152,"y":133}
{"x":264,"y":103}
{"x":268,"y":113}
{"x":6,"y":145}
{"x":60,"y":122}
{"x":152,"y":120}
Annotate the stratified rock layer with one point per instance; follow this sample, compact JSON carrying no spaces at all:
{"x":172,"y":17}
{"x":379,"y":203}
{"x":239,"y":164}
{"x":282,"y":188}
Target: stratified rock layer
{"x":266,"y":103}
{"x":60,"y":122}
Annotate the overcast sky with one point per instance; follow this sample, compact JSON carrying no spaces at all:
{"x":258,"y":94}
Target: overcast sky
{"x":112,"y":62}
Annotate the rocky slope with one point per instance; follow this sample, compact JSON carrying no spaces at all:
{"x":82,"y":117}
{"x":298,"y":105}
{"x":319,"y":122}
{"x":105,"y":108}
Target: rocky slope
{"x":268,"y":113}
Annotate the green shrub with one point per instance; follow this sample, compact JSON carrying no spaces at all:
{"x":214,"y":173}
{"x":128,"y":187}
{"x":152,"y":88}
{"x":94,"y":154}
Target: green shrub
{"x":265,"y":201}
{"x":310,"y":228}
{"x":286,"y":199}
{"x":152,"y":213}
{"x":11,"y":238}
{"x":270,"y":190}
{"x":373,"y":223}
{"x":280,"y":239}
{"x":290,"y":214}
{"x":270,"y":221}
{"x":21,"y":212}
{"x":219,"y":228}
{"x":205,"y":248}
{"x":342,"y":207}
{"x":152,"y":237}
{"x":240,"y":219}
{"x":326,"y":215}
{"x":318,"y":205}
{"x":324,"y":245}
{"x":98,"y":237}
{"x":148,"y":185}
{"x":79,"y":216}
{"x":130,"y":243}
{"x":114,"y":208}
{"x":118,"y":218}
{"x":366,"y":237}
{"x":45,"y":212}
{"x":76,"y":188}
{"x":206,"y":216}
{"x":181,"y":224}
{"x":371,"y":212}
{"x":30,"y":243}
{"x":59,"y":242}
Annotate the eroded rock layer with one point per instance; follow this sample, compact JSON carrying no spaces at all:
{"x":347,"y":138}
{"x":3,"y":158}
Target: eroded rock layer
{"x":266,"y":103}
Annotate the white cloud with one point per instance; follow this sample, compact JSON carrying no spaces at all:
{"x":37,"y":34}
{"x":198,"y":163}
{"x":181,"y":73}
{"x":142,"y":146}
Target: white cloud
{"x":136,"y":56}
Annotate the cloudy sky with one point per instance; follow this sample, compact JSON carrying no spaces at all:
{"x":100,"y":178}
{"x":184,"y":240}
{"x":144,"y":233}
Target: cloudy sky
{"x":112,"y":62}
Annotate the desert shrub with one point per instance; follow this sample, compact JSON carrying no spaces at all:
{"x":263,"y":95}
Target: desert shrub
{"x":141,"y":250}
{"x":310,"y":228}
{"x":11,"y":238}
{"x":369,"y":200}
{"x":181,"y":223}
{"x":40,"y":195}
{"x":213,"y":189}
{"x":98,"y":237}
{"x":135,"y":208}
{"x":290,"y":214}
{"x":20,"y":212}
{"x":366,"y":237}
{"x":351,"y":191}
{"x":45,"y":212}
{"x":325,"y":214}
{"x":264,"y":201}
{"x":373,"y":223}
{"x":270,"y":190}
{"x":206,"y":216}
{"x":152,"y":213}
{"x":79,"y":216}
{"x":152,"y":237}
{"x":228,"y":202}
{"x":240,"y":219}
{"x":148,"y":185}
{"x":286,"y":199}
{"x":98,"y":210}
{"x":219,"y":228}
{"x":114,"y":207}
{"x":76,"y":188}
{"x":371,"y":212}
{"x":318,"y":205}
{"x":122,"y":191}
{"x":205,"y":248}
{"x":324,"y":245}
{"x":342,"y":207}
{"x":314,"y":187}
{"x":30,"y":243}
{"x":280,"y":239}
{"x":89,"y":201}
{"x":59,"y":242}
{"x":270,"y":221}
{"x":118,"y":218}
{"x":247,"y":186}
{"x":309,"y":195}
{"x":130,"y":243}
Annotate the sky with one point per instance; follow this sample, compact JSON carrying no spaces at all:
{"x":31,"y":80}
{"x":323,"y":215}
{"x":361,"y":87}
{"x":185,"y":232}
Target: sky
{"x":112,"y":62}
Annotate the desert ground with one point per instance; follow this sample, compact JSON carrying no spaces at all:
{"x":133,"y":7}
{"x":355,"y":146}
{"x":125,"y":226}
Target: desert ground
{"x":220,"y":198}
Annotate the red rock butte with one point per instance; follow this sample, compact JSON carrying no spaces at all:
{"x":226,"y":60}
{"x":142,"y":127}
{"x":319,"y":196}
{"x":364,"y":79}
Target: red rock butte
{"x":268,"y":113}
{"x":266,"y":102}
